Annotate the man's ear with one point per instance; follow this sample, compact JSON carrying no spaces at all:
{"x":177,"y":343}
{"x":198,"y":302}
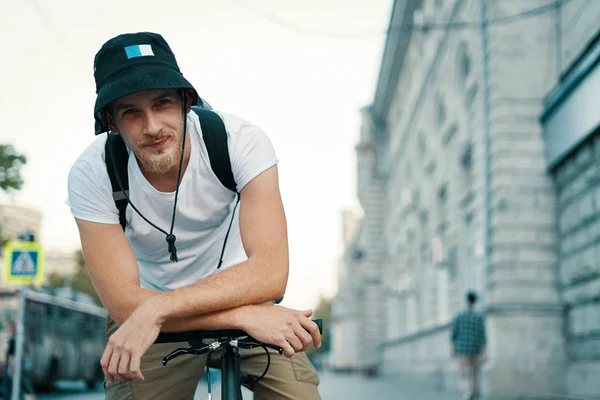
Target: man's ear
{"x":110,"y":122}
{"x":189,"y":99}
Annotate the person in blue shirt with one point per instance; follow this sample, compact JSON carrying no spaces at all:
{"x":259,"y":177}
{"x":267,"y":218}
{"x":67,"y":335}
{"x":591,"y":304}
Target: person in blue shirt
{"x":469,"y":345}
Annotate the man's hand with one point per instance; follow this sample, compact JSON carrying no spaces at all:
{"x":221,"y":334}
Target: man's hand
{"x":292,"y":330}
{"x":125,"y":348}
{"x":484,"y":357}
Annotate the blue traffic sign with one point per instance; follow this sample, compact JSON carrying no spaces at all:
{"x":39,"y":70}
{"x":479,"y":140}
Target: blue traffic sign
{"x":24,"y":263}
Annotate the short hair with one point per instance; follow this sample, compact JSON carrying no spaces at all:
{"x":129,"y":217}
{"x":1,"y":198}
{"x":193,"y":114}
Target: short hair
{"x":472,"y":297}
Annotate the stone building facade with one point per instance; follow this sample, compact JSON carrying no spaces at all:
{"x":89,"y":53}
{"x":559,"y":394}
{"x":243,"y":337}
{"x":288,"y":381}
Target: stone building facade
{"x":16,"y":220}
{"x":571,"y":122}
{"x":479,"y":170}
{"x":359,"y":309}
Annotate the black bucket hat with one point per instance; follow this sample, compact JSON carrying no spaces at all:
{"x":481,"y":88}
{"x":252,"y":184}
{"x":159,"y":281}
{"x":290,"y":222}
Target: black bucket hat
{"x":130,"y":63}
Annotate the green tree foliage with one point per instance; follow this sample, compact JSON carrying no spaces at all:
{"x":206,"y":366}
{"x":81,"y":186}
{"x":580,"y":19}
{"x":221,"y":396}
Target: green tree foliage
{"x":10,"y":175}
{"x":56,"y":280}
{"x":80,"y":281}
{"x":10,"y":168}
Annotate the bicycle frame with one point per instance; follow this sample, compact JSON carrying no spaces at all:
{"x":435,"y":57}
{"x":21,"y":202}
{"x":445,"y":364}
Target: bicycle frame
{"x":231,"y":385}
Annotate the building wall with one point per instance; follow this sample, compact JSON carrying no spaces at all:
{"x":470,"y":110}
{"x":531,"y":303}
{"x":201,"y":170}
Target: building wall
{"x":346,"y":341}
{"x":576,"y":182}
{"x":346,"y":356}
{"x":369,"y":277}
{"x":435,"y":196}
{"x":579,"y":22}
{"x":578,"y":190}
{"x":539,"y":280}
{"x":424,"y":358}
{"x":15,"y":220}
{"x":60,"y":263}
{"x":522,"y":292}
{"x":345,"y":353}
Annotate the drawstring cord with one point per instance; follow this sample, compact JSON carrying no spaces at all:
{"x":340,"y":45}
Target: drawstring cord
{"x":170,"y":237}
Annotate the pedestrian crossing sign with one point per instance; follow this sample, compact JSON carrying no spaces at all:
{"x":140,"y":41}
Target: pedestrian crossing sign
{"x":23,"y":263}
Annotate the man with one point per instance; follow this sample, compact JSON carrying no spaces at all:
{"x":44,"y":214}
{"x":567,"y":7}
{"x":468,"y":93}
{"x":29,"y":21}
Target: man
{"x":469,"y":341}
{"x":152,"y":279}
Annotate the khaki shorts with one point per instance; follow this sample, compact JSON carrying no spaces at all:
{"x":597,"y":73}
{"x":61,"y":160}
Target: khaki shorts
{"x":292,"y":378}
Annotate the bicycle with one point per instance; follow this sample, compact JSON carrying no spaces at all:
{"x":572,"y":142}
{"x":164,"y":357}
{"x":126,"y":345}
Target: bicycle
{"x":230,"y":340}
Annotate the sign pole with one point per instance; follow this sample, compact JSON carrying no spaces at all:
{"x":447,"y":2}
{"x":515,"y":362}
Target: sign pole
{"x":18,"y":361}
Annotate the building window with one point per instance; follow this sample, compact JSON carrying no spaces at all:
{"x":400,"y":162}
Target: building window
{"x":449,"y":135}
{"x":430,"y":168}
{"x":423,"y":217}
{"x":451,"y":262}
{"x":442,"y":195}
{"x":440,"y":111}
{"x":466,"y":157}
{"x":469,"y":278}
{"x":464,"y":63}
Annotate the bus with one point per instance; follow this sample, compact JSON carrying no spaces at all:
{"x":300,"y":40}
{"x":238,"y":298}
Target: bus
{"x":63,"y":337}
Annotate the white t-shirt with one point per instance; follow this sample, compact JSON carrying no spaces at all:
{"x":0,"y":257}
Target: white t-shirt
{"x":204,"y":205}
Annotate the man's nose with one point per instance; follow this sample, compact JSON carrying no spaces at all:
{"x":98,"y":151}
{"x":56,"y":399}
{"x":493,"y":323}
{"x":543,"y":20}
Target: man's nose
{"x":151,"y":123}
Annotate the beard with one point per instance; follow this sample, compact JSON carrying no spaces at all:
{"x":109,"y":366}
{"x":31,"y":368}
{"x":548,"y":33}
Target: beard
{"x":159,"y":161}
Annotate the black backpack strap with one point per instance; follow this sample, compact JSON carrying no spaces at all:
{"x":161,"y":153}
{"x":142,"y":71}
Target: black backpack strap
{"x":117,"y":158}
{"x":214,"y":135}
{"x":215,"y":139}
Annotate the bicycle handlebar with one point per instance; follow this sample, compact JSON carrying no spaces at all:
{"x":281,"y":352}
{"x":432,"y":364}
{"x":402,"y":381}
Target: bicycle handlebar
{"x":223,"y":338}
{"x":192,"y":336}
{"x":189,"y":336}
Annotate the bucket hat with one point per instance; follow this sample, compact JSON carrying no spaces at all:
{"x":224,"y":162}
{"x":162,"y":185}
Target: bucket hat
{"x":130,"y":63}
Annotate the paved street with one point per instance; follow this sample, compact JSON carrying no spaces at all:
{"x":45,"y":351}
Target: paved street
{"x":333,"y":386}
{"x":357,"y":387}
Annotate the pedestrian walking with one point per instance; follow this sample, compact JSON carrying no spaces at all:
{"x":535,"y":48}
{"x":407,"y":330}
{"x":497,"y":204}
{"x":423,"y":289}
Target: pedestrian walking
{"x":469,"y":344}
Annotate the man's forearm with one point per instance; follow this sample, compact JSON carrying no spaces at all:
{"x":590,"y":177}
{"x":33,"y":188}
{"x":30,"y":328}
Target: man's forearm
{"x":226,"y":319}
{"x":249,"y":282}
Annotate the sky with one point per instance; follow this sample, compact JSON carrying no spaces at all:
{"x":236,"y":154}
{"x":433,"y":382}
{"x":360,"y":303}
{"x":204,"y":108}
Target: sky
{"x":301,"y":71}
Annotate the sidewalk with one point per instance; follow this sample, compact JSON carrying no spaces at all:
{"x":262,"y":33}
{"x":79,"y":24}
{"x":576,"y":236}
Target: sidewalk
{"x":335,"y":386}
{"x":354,"y":387}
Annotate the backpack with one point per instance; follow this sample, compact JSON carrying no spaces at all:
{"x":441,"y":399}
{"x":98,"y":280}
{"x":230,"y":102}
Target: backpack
{"x":215,"y":139}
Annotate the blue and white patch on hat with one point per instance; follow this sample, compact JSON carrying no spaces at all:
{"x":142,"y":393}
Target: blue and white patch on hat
{"x":139,"y":50}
